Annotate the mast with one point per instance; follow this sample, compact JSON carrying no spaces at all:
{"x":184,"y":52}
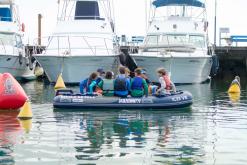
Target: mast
{"x":215,"y":22}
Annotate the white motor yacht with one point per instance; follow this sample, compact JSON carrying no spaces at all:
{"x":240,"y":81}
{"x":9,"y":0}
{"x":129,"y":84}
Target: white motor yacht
{"x":82,"y":41}
{"x":177,"y":39}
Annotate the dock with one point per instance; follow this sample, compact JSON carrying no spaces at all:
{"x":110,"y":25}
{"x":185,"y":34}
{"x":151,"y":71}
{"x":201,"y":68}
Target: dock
{"x":232,"y":61}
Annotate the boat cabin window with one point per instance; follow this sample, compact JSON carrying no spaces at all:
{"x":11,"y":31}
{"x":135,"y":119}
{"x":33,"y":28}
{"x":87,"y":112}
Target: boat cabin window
{"x":174,"y":39}
{"x":5,"y":14}
{"x":87,"y":10}
{"x":198,"y":41}
{"x":152,"y":40}
{"x":6,"y":39}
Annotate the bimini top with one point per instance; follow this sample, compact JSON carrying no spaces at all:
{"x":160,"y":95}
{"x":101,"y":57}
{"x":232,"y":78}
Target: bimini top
{"x":195,"y":3}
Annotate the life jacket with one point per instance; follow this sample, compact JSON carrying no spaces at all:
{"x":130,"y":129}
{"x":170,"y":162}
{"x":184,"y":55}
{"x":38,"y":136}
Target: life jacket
{"x":108,"y":85}
{"x":137,"y":83}
{"x":120,"y":84}
{"x":168,"y":82}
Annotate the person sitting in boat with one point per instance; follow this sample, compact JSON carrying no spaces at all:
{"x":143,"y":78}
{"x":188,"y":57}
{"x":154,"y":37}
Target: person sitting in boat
{"x":91,"y":84}
{"x":144,"y":76}
{"x":236,"y":81}
{"x":127,"y":73}
{"x":166,"y":85}
{"x":139,"y":86}
{"x":108,"y":84}
{"x":121,"y":84}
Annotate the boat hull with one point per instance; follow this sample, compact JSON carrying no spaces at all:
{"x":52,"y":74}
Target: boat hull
{"x":10,"y":64}
{"x":183,"y":70}
{"x":178,"y":100}
{"x":190,"y":70}
{"x":151,"y":64}
{"x":75,"y":68}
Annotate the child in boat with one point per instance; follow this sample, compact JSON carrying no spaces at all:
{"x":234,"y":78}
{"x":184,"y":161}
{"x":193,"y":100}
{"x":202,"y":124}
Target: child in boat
{"x":139,"y":86}
{"x":236,"y":81}
{"x":108,"y":84}
{"x":122,"y":83}
{"x":90,"y":84}
{"x":166,"y":85}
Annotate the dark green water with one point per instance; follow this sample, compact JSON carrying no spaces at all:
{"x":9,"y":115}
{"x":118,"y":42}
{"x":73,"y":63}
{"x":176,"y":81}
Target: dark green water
{"x":213,"y":131}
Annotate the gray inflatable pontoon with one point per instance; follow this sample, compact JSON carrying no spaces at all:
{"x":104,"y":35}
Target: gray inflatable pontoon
{"x":66,"y":99}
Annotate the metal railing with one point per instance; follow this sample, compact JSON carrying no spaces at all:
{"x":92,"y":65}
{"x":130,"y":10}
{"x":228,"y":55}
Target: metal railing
{"x":14,"y":47}
{"x":67,"y":45}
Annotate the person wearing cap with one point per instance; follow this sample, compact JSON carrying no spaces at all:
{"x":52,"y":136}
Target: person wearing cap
{"x":144,"y":76}
{"x":101,"y":72}
{"x":139,"y":86}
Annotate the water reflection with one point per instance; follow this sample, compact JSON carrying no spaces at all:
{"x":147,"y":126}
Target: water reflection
{"x":143,"y":135}
{"x":10,"y":130}
{"x":208,"y":133}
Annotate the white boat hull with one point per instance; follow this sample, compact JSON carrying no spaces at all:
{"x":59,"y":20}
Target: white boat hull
{"x":151,"y":64}
{"x":183,"y":70}
{"x":190,"y":70}
{"x":75,"y":68}
{"x":10,"y":64}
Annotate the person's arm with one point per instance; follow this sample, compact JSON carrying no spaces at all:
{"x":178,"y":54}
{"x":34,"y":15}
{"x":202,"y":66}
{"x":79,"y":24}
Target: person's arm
{"x":101,"y":84}
{"x":162,"y":85}
{"x":173,"y":87}
{"x":145,"y":85}
{"x":91,"y":86}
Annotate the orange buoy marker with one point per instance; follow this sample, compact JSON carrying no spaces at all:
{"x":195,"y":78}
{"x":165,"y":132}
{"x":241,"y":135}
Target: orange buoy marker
{"x":26,"y":112}
{"x":60,"y":83}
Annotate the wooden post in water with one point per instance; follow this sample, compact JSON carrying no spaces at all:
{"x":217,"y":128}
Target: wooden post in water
{"x":39,"y":29}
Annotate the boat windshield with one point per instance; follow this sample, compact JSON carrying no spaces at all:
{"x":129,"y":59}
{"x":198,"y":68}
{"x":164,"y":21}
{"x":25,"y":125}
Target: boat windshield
{"x":6,"y":39}
{"x":152,"y":40}
{"x":195,"y":40}
{"x":174,"y":39}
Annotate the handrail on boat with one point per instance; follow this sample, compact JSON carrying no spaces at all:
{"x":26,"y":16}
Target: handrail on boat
{"x":64,"y":44}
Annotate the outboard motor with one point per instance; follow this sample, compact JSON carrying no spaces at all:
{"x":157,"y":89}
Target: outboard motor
{"x":127,"y":60}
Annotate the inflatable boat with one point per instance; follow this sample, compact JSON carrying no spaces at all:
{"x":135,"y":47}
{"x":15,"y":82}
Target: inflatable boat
{"x":66,"y":99}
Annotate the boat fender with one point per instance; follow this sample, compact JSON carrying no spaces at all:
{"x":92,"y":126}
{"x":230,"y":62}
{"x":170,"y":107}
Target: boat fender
{"x":31,"y":64}
{"x":27,"y":61}
{"x":20,"y":58}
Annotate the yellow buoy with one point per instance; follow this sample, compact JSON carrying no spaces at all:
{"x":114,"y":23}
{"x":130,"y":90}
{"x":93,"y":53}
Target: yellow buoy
{"x":26,"y":125}
{"x":234,"y":97}
{"x":60,"y":83}
{"x":26,"y":112}
{"x":234,"y":88}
